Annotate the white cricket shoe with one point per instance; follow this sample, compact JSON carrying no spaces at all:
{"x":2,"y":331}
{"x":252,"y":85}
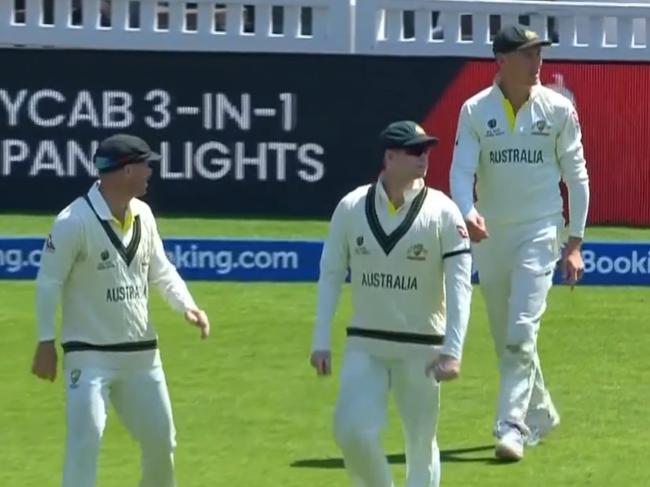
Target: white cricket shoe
{"x":510,"y":445}
{"x":541,"y":422}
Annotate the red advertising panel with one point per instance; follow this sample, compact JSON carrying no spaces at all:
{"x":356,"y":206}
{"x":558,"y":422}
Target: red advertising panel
{"x":613,"y":102}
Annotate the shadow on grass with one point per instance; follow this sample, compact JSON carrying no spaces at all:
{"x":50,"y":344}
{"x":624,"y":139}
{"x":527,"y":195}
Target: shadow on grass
{"x":459,"y":455}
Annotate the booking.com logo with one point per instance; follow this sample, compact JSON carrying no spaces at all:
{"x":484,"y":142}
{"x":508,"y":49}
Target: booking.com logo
{"x":14,"y":260}
{"x":225,"y":261}
{"x":634,"y":263}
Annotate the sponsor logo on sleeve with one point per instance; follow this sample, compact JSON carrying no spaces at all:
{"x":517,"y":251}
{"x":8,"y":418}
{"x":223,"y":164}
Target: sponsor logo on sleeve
{"x":49,"y":244}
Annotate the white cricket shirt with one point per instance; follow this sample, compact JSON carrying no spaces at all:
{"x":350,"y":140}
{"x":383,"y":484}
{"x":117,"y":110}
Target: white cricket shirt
{"x":518,"y":162}
{"x":401,"y":265}
{"x":102,"y":275}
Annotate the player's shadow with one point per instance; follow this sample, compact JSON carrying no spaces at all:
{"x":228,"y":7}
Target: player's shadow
{"x":458,"y":455}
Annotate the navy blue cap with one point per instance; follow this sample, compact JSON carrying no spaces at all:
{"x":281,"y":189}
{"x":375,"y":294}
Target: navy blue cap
{"x":405,"y":133}
{"x":516,"y":37}
{"x":120,"y":150}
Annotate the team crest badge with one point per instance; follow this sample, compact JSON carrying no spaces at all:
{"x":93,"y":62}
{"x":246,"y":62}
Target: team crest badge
{"x":416,"y":252}
{"x":530,"y":35}
{"x":541,"y":127}
{"x":75,"y":375}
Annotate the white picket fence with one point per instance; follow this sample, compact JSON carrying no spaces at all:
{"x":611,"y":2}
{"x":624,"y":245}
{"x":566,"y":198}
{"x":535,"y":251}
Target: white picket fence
{"x":319,"y":26}
{"x":580,"y":30}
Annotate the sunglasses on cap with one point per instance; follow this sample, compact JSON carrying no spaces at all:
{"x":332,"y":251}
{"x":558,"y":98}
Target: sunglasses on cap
{"x":417,"y":150}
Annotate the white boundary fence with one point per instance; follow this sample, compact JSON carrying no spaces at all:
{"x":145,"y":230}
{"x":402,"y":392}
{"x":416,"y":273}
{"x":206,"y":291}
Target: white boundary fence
{"x":580,"y":30}
{"x":319,"y":26}
{"x":583,"y":30}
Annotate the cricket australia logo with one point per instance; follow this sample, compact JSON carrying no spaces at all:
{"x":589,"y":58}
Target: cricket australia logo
{"x":360,"y":249}
{"x":105,"y":263}
{"x":75,"y":375}
{"x":417,"y":252}
{"x":541,"y":127}
{"x":493,"y":130}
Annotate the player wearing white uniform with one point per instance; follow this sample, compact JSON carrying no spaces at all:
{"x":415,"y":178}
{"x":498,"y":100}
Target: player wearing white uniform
{"x":519,"y":139}
{"x":407,"y":249}
{"x":103,"y":252}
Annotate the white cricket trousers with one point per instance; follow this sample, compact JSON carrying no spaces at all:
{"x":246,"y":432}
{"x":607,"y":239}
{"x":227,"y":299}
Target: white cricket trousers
{"x":516,"y":265}
{"x":360,"y":417}
{"x":140,"y":398}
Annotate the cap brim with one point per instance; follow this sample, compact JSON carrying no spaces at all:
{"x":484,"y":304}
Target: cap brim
{"x":522,"y":47}
{"x":153,"y":157}
{"x":535,"y":43}
{"x":421,"y":140}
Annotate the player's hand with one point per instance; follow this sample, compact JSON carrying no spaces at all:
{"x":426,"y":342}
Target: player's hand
{"x":45,"y":360}
{"x":573,"y":267}
{"x":444,"y":368}
{"x":476,"y":227}
{"x":198,"y":318}
{"x":321,"y":360}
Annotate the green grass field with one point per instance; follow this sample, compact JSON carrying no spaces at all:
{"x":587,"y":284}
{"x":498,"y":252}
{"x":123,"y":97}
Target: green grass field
{"x":250,"y":412}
